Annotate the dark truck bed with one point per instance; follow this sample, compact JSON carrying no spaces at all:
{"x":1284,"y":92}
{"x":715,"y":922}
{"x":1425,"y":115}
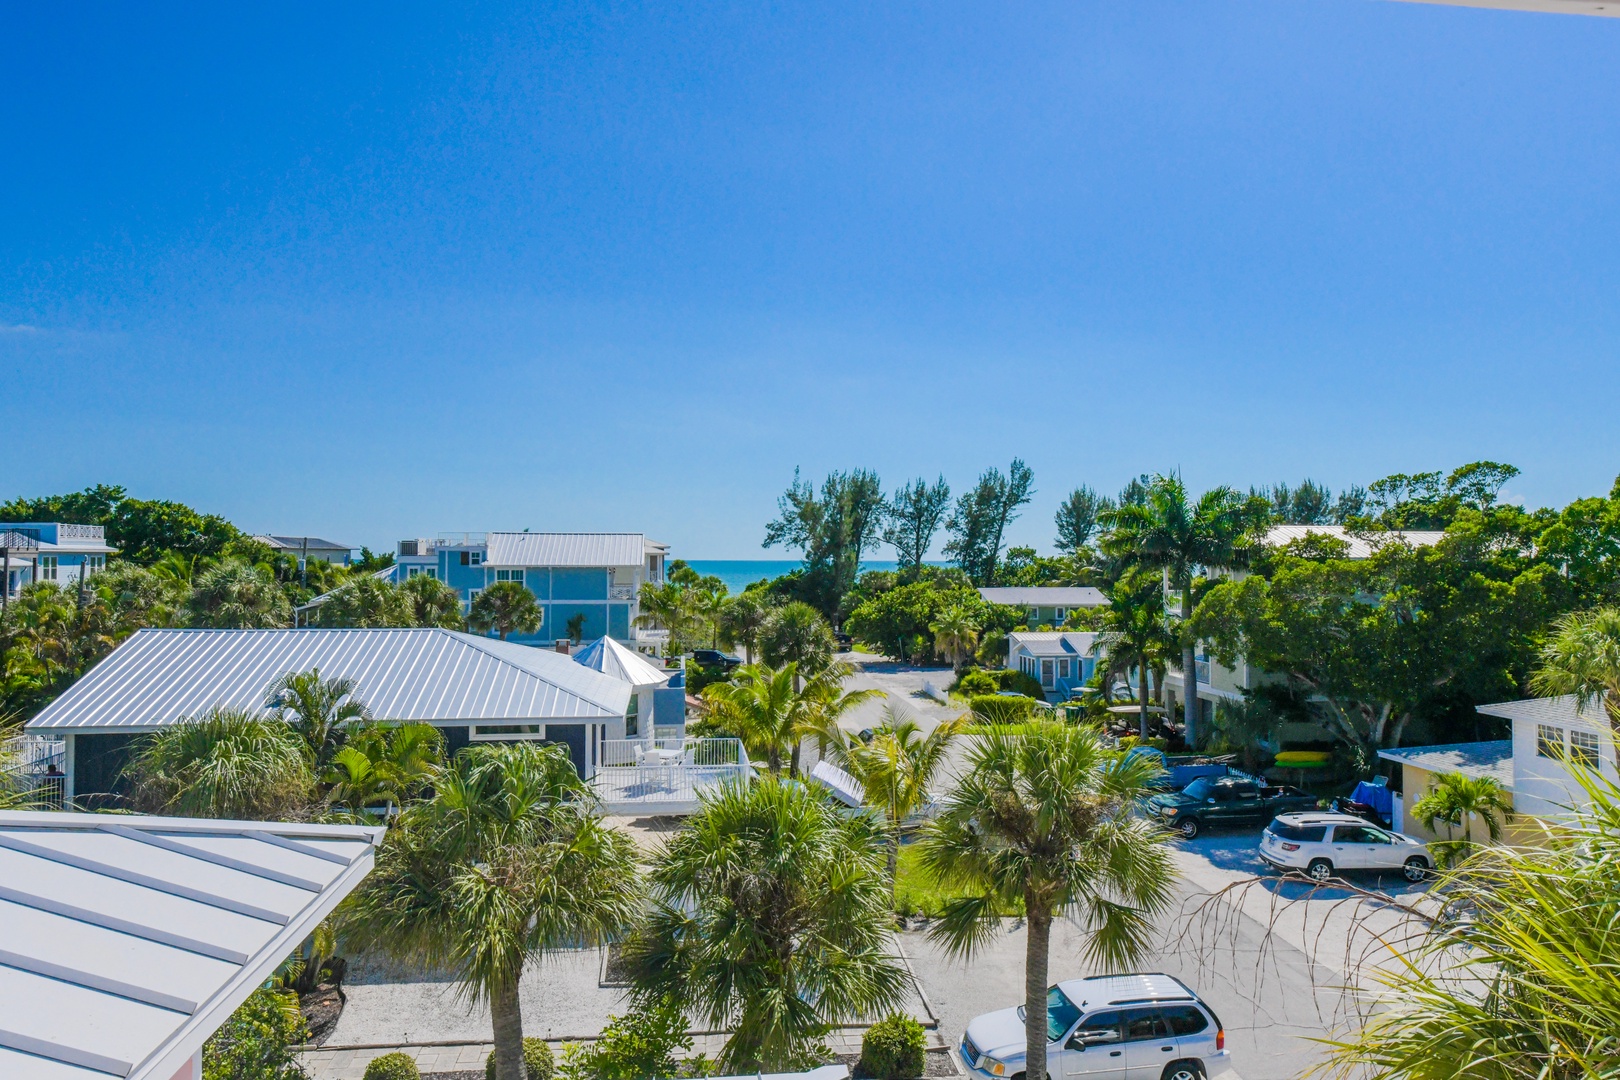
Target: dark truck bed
{"x":1232,"y":800}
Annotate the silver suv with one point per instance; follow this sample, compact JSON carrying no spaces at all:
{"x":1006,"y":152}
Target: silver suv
{"x":1325,"y":844}
{"x":1107,"y":1027}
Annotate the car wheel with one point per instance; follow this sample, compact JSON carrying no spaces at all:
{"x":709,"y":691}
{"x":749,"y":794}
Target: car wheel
{"x":1188,"y":828}
{"x":1416,"y":868}
{"x":1183,"y":1070}
{"x":1319,"y":870}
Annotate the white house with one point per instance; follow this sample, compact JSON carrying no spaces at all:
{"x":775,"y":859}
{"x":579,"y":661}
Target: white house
{"x":1550,"y":737}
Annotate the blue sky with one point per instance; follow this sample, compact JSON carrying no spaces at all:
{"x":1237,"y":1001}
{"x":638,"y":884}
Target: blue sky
{"x":382,"y":272}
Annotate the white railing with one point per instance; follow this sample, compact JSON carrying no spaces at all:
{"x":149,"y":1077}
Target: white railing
{"x":644,"y":633}
{"x":34,"y":764}
{"x":621,"y":592}
{"x":664,"y":776}
{"x":81,"y":532}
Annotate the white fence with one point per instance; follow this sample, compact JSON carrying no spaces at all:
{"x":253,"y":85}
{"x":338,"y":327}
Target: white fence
{"x":664,"y":776}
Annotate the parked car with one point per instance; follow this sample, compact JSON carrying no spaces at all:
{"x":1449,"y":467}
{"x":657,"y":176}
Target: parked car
{"x":1116,"y":1026}
{"x":1324,"y":844}
{"x":1228,"y":800}
{"x":716,"y":658}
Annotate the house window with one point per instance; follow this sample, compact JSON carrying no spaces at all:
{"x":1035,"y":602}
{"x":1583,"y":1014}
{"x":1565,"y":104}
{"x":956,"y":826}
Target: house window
{"x":1583,"y":748}
{"x":47,"y":568}
{"x":508,"y":731}
{"x":1034,"y":616}
{"x":472,"y":558}
{"x":1063,"y":668}
{"x":632,"y":726}
{"x":95,"y":562}
{"x":509,"y":575}
{"x":1046,"y":673}
{"x":1058,"y":615}
{"x":1549,"y":741}
{"x":420,"y":571}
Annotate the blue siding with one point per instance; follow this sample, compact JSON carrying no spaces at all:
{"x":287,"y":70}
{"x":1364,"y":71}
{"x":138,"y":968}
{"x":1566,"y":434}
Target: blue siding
{"x":538,"y":579}
{"x":572,"y":584}
{"x":595,"y":620}
{"x":619,"y":621}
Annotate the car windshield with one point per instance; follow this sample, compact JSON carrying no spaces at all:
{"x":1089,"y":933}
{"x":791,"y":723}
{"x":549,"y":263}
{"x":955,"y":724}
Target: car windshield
{"x":1061,"y":1013}
{"x":1200,"y":788}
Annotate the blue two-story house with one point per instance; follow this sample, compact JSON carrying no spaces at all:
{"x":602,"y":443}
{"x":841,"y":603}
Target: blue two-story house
{"x":50,"y":551}
{"x":593,"y":577}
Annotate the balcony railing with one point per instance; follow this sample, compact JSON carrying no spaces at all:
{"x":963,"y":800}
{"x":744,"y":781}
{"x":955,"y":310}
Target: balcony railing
{"x":664,"y":776}
{"x":20,"y":539}
{"x":621,"y":592}
{"x":81,"y":532}
{"x":33,"y":766}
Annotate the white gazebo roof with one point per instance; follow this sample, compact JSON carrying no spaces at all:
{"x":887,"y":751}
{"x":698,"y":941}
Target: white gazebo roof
{"x":611,"y":658}
{"x":126,"y":941}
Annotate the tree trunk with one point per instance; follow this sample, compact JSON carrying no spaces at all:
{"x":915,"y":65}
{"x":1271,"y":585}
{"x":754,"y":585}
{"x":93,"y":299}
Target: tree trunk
{"x":1189,"y":666}
{"x":1037,"y":942}
{"x":1142,"y":698}
{"x":793,"y":761}
{"x":894,"y":861}
{"x":507,"y":1014}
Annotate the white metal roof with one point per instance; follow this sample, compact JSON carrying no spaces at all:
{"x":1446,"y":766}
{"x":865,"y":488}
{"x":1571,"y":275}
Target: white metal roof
{"x":627,"y":665}
{"x":1054,"y":642}
{"x":300,"y":543}
{"x":1362,"y":545}
{"x":126,"y":941}
{"x":1492,"y":759}
{"x":565,"y":549}
{"x":1046,"y":596}
{"x":158,"y":677}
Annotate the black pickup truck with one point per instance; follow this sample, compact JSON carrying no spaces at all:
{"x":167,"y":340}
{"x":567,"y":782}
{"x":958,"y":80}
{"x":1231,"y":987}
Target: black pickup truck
{"x":1227,"y":800}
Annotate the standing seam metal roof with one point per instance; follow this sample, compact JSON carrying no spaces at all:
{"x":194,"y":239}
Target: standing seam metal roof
{"x":611,"y":658}
{"x":126,"y":941}
{"x":158,"y":677}
{"x":564,"y":549}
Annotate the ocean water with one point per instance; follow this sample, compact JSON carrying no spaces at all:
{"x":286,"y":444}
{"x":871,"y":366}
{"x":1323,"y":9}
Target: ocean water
{"x":738,"y":574}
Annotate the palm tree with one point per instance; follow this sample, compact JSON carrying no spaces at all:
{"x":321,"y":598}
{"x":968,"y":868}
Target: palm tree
{"x":955,"y":632}
{"x":237,"y":596}
{"x":383,"y":764}
{"x":1135,"y":634}
{"x":318,"y":709}
{"x":225,"y":763}
{"x":365,"y":601}
{"x":1455,"y":800}
{"x":822,"y":702}
{"x":1169,"y":534}
{"x":506,"y":607}
{"x":1582,"y":657}
{"x":505,"y":862}
{"x":665,"y":606}
{"x":797,"y":634}
{"x":433,"y":603}
{"x":708,"y":604}
{"x":1515,"y":977}
{"x":897,"y":769}
{"x":770,"y":918}
{"x":762,"y":706}
{"x":741,"y":621}
{"x":1047,"y":818}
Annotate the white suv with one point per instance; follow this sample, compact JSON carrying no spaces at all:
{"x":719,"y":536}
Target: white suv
{"x":1107,"y":1027}
{"x":1323,"y":844}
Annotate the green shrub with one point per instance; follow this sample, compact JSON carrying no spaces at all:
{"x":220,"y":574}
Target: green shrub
{"x":996,"y":709}
{"x":976,"y":682}
{"x":631,"y":1048}
{"x":1013,"y":679}
{"x":395,"y":1066}
{"x":537,"y":1061}
{"x":255,"y":1043}
{"x":892,"y":1049}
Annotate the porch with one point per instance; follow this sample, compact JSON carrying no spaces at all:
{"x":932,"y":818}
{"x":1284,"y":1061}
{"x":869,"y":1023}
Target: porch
{"x":664,"y":776}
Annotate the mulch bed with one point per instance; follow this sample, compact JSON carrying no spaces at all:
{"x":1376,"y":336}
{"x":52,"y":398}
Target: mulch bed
{"x":321,"y":1008}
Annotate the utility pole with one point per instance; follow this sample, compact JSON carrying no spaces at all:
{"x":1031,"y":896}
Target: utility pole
{"x":303,"y":565}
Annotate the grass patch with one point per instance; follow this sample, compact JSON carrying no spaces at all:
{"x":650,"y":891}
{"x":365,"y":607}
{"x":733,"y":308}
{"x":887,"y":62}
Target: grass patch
{"x":916,"y":890}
